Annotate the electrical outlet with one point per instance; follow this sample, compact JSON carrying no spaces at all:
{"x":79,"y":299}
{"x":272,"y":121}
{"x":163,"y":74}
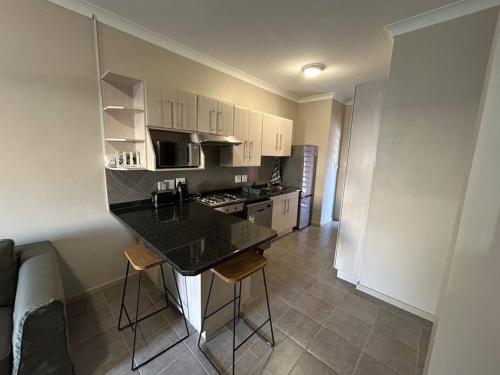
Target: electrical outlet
{"x":237,"y":178}
{"x":182,"y":180}
{"x":244,"y":178}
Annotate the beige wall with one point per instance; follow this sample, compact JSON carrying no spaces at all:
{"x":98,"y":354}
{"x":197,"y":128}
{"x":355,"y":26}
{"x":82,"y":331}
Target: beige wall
{"x":50,"y":151}
{"x":51,"y":162}
{"x":128,"y":55}
{"x":344,"y":151}
{"x":424,"y":155}
{"x":467,"y":332}
{"x":332,"y":161}
{"x":313,"y":128}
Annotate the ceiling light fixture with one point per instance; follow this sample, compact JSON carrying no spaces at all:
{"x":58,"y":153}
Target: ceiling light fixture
{"x":313,"y":70}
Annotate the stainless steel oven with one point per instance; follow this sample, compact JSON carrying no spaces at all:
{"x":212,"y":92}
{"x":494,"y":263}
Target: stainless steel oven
{"x":177,"y":154}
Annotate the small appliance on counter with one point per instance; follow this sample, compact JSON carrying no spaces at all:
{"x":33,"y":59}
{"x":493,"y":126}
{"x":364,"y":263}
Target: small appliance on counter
{"x":163,"y":198}
{"x":182,"y":193}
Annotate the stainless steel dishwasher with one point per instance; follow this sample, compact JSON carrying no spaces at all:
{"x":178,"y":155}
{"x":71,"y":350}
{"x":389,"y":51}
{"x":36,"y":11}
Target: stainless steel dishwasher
{"x":260,"y":213}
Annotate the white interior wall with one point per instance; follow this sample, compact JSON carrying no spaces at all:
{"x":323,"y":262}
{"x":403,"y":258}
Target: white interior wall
{"x":332,"y":161}
{"x":467,"y":334}
{"x":344,"y":151}
{"x":362,"y":152}
{"x":424,"y":154}
{"x":313,"y":128}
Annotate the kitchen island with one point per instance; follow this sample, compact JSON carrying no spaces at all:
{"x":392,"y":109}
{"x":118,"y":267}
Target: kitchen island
{"x":192,"y":238}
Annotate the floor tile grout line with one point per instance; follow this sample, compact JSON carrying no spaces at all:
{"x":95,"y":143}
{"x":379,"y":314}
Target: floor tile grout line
{"x":363,"y":348}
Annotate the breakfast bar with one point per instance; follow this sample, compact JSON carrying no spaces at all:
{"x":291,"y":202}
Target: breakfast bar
{"x":192,"y":238}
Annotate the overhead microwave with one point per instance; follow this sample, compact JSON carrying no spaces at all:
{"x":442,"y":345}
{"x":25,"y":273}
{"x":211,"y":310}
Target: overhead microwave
{"x":177,"y":154}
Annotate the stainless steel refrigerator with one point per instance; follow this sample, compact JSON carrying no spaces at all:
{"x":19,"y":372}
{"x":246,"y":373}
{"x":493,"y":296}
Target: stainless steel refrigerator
{"x":299,"y":170}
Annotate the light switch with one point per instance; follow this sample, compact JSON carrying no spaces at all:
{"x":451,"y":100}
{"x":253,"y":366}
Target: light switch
{"x":244,"y":178}
{"x":237,"y":178}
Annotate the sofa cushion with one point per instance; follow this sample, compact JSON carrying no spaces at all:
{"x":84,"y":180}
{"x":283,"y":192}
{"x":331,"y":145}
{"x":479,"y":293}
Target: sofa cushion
{"x":39,"y":340}
{"x":5,"y":339}
{"x":8,"y":273}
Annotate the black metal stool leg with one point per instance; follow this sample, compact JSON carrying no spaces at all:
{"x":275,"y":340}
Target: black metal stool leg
{"x":135,"y":324}
{"x":268,"y":308}
{"x":239,"y":301}
{"x":123,"y":296}
{"x":137,"y":320}
{"x":234,"y":320}
{"x":164,"y":284}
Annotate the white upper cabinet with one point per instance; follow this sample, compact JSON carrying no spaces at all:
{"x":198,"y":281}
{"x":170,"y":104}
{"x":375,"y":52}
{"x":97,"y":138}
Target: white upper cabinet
{"x":170,"y":108}
{"x":185,"y":115}
{"x":247,"y":128}
{"x":225,"y":119}
{"x":241,"y":122}
{"x":159,"y":106}
{"x":286,"y":132}
{"x":270,"y":135}
{"x":207,"y":114}
{"x":254,"y":139}
{"x":215,"y":116}
{"x":276,"y":136}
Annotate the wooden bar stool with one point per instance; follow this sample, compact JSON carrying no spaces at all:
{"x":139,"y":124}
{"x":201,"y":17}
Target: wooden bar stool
{"x":234,"y":271}
{"x":141,"y":259}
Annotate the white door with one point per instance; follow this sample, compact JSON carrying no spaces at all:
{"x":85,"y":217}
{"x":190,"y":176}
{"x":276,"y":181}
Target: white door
{"x":286,"y":130}
{"x":254,"y":139}
{"x":241,"y":125}
{"x":224,"y":122}
{"x":207,"y":114}
{"x":185,"y":116}
{"x":270,"y":136}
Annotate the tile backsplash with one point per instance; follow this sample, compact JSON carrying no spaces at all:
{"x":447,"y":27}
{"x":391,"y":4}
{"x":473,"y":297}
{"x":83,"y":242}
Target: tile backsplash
{"x":126,"y":186}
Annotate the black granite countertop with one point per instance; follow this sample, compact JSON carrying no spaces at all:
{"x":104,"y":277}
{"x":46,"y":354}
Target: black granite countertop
{"x":251,"y":198}
{"x":191,"y":237}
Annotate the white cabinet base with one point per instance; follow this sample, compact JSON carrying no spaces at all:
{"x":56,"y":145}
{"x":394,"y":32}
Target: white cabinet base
{"x":194,"y":293}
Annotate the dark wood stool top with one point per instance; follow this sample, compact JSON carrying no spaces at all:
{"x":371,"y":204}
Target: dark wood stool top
{"x":141,"y":258}
{"x":238,"y":268}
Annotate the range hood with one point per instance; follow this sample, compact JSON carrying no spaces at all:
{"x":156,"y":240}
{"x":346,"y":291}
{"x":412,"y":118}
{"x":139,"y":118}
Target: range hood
{"x":207,"y":139}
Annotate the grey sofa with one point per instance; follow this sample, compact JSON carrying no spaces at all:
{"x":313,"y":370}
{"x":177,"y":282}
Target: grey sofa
{"x":33,"y":330}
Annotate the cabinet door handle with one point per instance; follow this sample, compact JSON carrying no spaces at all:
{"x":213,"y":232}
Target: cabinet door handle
{"x":283,"y":203}
{"x":181,"y":115}
{"x":250,"y":153}
{"x":281,"y":140}
{"x":210,"y":113}
{"x":217,"y":122}
{"x":288,"y":206}
{"x":245,"y":148}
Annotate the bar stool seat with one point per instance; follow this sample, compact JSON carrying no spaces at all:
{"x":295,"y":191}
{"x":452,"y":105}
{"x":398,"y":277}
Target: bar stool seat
{"x":234,"y":271}
{"x":141,"y":259}
{"x":238,"y":268}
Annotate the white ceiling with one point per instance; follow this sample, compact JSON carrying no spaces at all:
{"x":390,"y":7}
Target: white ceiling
{"x":272,"y":39}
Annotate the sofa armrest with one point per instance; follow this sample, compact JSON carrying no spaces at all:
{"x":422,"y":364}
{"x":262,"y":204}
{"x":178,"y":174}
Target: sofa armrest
{"x":40,"y":341}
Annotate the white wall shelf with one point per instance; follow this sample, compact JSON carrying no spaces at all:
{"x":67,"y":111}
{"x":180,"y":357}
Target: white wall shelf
{"x":110,"y":108}
{"x":124,"y":140}
{"x":115,"y":78}
{"x":138,"y":168}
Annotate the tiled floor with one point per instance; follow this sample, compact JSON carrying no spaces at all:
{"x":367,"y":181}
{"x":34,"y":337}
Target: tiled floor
{"x":321,"y":325}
